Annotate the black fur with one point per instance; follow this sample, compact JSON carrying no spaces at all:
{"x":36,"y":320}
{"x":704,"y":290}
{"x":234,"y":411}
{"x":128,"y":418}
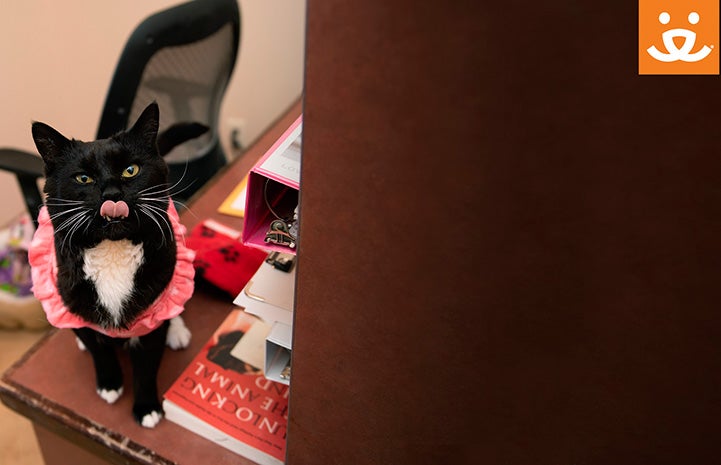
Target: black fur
{"x":104,"y":160}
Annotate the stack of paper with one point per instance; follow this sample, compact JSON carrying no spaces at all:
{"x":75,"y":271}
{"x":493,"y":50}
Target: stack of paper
{"x":270,"y":295}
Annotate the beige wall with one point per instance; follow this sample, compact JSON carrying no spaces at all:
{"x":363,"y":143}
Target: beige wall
{"x":57,"y":58}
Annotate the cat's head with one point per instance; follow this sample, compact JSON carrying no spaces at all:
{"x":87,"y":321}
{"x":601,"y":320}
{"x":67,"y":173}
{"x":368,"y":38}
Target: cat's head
{"x":113,"y":188}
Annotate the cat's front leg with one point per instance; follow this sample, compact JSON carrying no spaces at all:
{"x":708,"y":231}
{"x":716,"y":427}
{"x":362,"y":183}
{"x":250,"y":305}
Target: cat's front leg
{"x":146,"y":353}
{"x":178,"y":334}
{"x":108,"y":374}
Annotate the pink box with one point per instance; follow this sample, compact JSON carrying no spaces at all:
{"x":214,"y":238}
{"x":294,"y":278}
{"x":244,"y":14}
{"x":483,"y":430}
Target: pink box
{"x":272,"y":195}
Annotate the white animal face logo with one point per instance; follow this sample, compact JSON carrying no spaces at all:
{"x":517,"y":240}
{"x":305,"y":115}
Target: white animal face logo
{"x":684,"y":53}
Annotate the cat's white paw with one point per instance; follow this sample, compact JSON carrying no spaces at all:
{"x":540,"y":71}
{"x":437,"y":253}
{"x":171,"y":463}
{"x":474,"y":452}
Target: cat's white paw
{"x":110,"y":395}
{"x":152,"y":419}
{"x":80,"y":344}
{"x":178,"y":334}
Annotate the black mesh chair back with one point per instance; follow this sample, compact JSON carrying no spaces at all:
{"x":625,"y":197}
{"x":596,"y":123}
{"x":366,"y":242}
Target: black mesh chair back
{"x":182,"y":58}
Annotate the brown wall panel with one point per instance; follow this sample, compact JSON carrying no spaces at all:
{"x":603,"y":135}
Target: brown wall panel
{"x":507,"y":237}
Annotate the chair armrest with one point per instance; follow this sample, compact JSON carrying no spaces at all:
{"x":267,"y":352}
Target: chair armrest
{"x":27,"y":169}
{"x":177,"y":134}
{"x":21,"y":163}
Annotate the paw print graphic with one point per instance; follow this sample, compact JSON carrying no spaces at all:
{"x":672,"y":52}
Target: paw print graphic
{"x":200,"y":267}
{"x":230,"y":255}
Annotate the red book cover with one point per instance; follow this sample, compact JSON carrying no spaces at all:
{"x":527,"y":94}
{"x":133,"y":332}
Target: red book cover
{"x":228,"y":400}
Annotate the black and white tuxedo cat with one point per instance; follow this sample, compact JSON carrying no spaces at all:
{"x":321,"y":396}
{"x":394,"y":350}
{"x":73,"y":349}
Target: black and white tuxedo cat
{"x":108,"y":258}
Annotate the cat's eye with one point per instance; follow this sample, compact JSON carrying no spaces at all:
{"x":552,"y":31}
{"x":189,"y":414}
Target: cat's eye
{"x":84,"y":179}
{"x":131,"y":171}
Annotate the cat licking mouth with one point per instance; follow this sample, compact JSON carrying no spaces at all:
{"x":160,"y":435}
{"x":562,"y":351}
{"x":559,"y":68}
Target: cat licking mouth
{"x":108,"y":258}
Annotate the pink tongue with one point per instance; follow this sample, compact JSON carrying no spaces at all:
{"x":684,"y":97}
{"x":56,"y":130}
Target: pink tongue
{"x":114,"y":209}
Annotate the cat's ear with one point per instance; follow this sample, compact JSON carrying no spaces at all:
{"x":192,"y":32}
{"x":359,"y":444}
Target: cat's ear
{"x":48,"y":141}
{"x":146,"y":127}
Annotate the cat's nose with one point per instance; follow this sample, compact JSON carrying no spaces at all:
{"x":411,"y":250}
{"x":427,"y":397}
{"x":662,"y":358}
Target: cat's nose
{"x":112,"y":193}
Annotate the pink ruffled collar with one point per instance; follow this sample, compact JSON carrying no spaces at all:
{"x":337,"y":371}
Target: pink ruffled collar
{"x":168,"y":305}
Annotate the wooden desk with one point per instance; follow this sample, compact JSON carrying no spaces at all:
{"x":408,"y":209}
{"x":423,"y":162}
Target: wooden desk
{"x":54,"y":383}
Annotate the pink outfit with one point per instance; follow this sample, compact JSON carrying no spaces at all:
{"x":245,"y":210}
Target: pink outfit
{"x":169,"y":304}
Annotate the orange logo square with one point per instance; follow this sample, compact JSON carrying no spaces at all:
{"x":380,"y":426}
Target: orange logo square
{"x":678,"y":37}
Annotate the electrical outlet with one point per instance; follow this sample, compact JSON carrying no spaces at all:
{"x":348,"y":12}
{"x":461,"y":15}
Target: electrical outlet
{"x":236,"y":132}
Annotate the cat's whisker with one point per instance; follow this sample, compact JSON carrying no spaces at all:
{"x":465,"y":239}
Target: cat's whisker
{"x":73,"y":223}
{"x":73,"y":230}
{"x":90,"y":221}
{"x":161,"y":214}
{"x":187,"y":208}
{"x":165,"y":198}
{"x":165,"y":187}
{"x":69,"y":221}
{"x":169,"y":189}
{"x":61,"y":204}
{"x":63,"y":201}
{"x":66,"y":212}
{"x":165,"y":191}
{"x":162,"y":186}
{"x":77,"y":213}
{"x":190,"y":184}
{"x":69,"y":236}
{"x":150,"y":214}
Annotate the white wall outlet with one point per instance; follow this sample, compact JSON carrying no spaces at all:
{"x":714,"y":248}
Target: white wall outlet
{"x":237,"y":133}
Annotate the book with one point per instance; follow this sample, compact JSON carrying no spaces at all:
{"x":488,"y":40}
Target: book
{"x":228,"y":400}
{"x":234,"y":204}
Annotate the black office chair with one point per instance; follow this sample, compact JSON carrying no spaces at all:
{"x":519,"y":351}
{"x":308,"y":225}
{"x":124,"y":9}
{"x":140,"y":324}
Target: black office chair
{"x":182,"y":58}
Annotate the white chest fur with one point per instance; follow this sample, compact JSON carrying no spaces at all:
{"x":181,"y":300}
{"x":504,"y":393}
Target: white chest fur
{"x":111,"y":266}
